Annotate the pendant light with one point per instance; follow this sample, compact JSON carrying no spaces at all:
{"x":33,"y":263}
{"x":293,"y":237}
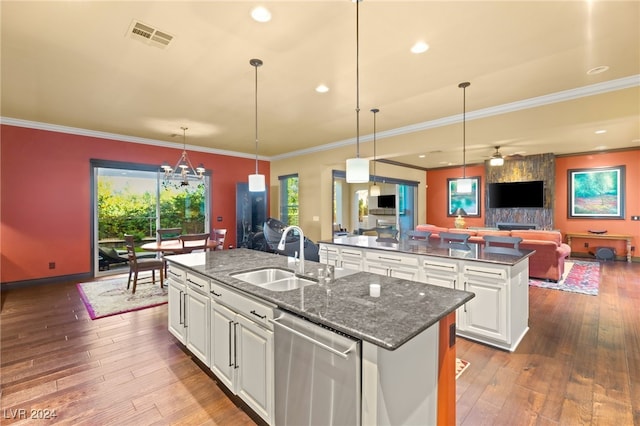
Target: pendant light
{"x":374,"y":190}
{"x":183,"y":171}
{"x":463,"y":186}
{"x":256,"y":181}
{"x":357,"y":168}
{"x":496,"y":158}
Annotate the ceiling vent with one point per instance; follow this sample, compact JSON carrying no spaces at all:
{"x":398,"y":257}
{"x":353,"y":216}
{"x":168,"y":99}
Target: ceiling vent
{"x":149,"y":35}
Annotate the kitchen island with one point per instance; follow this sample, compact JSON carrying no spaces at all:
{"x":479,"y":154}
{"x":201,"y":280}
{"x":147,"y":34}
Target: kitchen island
{"x":498,"y":276}
{"x":399,"y":332}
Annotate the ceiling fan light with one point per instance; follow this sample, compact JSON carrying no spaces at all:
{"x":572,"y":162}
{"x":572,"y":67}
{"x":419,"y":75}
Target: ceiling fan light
{"x":496,"y":160}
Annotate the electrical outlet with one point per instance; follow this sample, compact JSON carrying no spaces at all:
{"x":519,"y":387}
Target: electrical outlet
{"x":52,"y":265}
{"x":586,"y":245}
{"x":219,"y":219}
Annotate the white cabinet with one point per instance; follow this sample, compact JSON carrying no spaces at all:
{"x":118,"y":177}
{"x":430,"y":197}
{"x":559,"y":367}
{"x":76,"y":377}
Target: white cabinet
{"x":241,"y":339}
{"x":441,"y":272}
{"x":351,"y":259}
{"x":189,"y":311}
{"x":341,"y":257}
{"x":499,"y":313}
{"x":392,"y":265}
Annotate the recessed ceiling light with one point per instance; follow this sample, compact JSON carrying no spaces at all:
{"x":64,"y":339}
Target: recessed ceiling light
{"x":599,"y":132}
{"x":261,"y":14}
{"x":419,"y":47}
{"x":598,"y":70}
{"x":421,"y":156}
{"x":322,"y":89}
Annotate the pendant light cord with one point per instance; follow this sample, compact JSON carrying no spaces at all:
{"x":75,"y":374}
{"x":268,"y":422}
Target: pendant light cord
{"x":256,"y":115}
{"x":464,"y":86}
{"x":374,"y":111}
{"x":357,"y":78}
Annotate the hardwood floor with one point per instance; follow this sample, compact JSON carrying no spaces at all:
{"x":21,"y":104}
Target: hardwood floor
{"x":579,"y":363}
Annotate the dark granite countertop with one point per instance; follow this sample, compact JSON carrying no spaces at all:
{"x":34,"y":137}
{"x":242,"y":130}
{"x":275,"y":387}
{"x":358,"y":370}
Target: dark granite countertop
{"x":403,"y":310}
{"x":433,"y":247}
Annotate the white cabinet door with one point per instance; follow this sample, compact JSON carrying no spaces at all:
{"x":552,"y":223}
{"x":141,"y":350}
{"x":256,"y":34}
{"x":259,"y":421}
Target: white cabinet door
{"x":177,"y":306}
{"x":486,"y":313}
{"x":197,"y":324}
{"x":254,"y":380}
{"x":221,"y":340}
{"x":329,"y":255}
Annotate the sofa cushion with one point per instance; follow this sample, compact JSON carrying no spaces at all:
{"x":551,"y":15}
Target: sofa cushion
{"x":494,"y":232}
{"x":554,"y":236}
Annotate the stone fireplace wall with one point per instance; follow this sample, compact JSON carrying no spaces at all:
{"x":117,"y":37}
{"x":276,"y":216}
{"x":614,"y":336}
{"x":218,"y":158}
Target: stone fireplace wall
{"x":533,"y":167}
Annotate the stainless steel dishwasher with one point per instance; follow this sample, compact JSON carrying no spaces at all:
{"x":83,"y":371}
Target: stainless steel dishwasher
{"x":317,"y":374}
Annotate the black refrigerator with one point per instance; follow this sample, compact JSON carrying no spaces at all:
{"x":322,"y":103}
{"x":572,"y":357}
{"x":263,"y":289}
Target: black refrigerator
{"x":251,"y":213}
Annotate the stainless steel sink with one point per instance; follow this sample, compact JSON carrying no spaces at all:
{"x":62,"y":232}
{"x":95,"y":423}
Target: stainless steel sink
{"x":274,"y":279}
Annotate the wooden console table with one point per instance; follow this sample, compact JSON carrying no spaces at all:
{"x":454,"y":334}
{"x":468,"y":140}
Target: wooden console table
{"x":588,"y":235}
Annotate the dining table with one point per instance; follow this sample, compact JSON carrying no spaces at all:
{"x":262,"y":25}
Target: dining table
{"x":175,"y":246}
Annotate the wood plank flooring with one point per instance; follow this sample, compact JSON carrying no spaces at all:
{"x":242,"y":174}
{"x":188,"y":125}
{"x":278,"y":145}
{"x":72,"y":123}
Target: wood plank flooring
{"x":579,"y":364}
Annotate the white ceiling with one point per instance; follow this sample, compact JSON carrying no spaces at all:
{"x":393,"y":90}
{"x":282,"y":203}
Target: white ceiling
{"x":73,"y":63}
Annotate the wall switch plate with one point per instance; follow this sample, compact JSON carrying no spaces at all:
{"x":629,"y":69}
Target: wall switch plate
{"x":635,"y":217}
{"x":219,"y":218}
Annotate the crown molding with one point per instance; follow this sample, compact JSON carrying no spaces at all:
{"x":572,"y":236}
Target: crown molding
{"x":566,"y":95}
{"x":122,"y":138}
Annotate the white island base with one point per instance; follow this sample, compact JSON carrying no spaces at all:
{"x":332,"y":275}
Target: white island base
{"x":400,"y":387}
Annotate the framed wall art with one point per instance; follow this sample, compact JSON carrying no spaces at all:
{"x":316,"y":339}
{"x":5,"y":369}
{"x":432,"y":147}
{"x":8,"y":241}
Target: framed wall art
{"x":469,"y":202}
{"x":596,"y":193}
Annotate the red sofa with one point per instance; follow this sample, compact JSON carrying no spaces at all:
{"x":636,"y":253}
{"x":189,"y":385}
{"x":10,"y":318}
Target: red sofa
{"x":546,"y":263}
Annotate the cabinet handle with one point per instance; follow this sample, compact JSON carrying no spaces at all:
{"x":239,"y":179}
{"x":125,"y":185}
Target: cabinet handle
{"x":216,"y":294}
{"x":180,"y":298}
{"x":235,"y":346}
{"x":258,"y":315}
{"x":184,"y":309}
{"x":230,"y":362}
{"x":193,"y":282}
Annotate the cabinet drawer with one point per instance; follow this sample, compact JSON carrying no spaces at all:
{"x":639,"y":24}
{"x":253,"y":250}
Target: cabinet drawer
{"x":250,"y":308}
{"x":176,"y":273}
{"x":439,"y":266}
{"x":351,"y":253}
{"x":487,"y":273}
{"x":198,"y":282}
{"x":392,"y":259}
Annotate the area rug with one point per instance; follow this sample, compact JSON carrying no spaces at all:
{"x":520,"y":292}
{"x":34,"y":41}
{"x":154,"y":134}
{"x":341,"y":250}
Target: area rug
{"x":579,"y":277}
{"x":108,"y":297}
{"x":461,"y":365}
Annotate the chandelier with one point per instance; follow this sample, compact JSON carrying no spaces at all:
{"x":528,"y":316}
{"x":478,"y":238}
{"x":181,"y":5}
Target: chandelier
{"x":183,"y":171}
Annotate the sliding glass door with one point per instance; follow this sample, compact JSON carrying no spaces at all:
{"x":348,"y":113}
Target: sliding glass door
{"x":130,"y":199}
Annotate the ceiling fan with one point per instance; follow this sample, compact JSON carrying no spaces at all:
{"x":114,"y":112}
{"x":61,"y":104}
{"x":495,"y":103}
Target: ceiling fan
{"x":497,"y":159}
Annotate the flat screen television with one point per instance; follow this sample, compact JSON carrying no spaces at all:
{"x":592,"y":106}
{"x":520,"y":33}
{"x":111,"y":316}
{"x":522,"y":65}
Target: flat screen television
{"x":387,"y":201}
{"x":528,"y":194}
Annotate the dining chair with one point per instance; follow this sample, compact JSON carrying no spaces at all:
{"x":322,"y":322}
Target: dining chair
{"x":191,"y":242}
{"x":166,"y":234}
{"x":219,"y":236}
{"x":137,"y":265}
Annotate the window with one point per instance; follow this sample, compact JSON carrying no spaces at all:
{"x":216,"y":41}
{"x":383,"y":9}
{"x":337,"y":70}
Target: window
{"x":289,"y":206}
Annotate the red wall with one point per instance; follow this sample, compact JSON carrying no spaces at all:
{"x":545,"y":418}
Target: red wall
{"x":437,"y":195}
{"x":437,"y":198}
{"x":45,"y":196}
